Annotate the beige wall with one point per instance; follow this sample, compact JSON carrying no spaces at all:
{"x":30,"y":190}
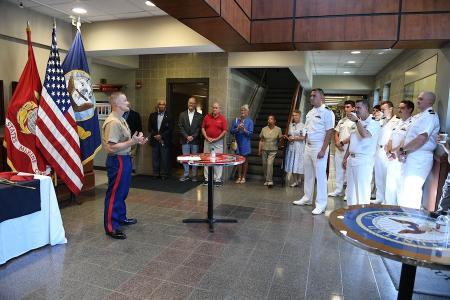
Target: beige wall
{"x":13,"y":47}
{"x":395,"y":74}
{"x":155,"y":69}
{"x":341,"y":84}
{"x":144,"y":36}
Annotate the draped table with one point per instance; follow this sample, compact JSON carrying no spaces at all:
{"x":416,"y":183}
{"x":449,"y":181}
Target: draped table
{"x":22,"y":234}
{"x":205,"y":160}
{"x":406,"y":235}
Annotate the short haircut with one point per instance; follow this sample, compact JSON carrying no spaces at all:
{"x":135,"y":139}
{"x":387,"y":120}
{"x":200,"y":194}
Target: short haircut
{"x":296,"y":111}
{"x":161,"y":101}
{"x":114,"y":96}
{"x":318,"y":90}
{"x":365,"y":102}
{"x":431,"y":95}
{"x":389,"y":103}
{"x":408,"y":104}
{"x":245,"y":106}
{"x":275,"y":119}
{"x":350,"y":102}
{"x":192,"y":97}
{"x":378,"y":106}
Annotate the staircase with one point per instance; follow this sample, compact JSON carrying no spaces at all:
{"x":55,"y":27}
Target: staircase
{"x":277,"y":102}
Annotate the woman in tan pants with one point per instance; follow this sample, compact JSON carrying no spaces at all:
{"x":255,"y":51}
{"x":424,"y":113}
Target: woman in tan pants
{"x":268,"y":147}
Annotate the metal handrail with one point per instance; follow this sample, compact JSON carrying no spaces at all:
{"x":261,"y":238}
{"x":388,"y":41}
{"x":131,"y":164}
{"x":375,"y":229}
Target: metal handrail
{"x":256,"y":89}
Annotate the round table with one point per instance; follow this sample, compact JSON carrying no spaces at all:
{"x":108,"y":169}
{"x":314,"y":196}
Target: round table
{"x":205,"y":160}
{"x":398,"y":233}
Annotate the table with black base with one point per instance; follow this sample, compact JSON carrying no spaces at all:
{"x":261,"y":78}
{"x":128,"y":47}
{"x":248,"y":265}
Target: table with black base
{"x":403,"y":234}
{"x":205,"y":160}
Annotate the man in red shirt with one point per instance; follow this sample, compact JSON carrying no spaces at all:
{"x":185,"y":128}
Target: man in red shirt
{"x":214,"y":128}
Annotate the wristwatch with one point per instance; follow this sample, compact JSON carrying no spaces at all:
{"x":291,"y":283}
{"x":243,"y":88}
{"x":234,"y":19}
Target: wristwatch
{"x":356,"y":121}
{"x":341,"y":143}
{"x":402,"y":150}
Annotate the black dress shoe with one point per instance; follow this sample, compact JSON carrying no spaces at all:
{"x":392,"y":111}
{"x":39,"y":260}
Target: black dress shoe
{"x":116,"y":234}
{"x":128,"y":222}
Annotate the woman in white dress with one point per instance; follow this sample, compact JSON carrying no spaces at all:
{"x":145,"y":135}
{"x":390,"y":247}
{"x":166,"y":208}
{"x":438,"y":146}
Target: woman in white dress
{"x":294,"y":153}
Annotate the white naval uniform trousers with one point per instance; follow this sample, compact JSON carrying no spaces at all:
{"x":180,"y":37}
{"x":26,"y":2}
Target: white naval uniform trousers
{"x":394,"y":167}
{"x":315,"y":169}
{"x":418,"y":164}
{"x":381,"y":160}
{"x":359,"y":177}
{"x":360,"y":163}
{"x":344,"y":128}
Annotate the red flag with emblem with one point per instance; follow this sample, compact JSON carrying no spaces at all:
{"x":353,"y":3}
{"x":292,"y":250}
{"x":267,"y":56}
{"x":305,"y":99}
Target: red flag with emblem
{"x":20,"y":125}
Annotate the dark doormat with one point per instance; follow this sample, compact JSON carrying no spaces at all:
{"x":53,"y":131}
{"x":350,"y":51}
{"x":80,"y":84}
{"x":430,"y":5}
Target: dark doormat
{"x":428,"y":281}
{"x":170,"y":185}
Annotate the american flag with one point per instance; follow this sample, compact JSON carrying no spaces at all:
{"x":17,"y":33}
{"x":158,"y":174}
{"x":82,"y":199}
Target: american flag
{"x":56,"y":129}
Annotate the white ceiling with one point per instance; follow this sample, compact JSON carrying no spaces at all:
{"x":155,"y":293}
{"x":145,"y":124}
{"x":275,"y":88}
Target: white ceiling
{"x":368,"y":62}
{"x":97,"y":10}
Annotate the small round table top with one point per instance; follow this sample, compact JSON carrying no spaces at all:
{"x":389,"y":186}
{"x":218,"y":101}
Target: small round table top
{"x":403,"y":234}
{"x":204,"y":159}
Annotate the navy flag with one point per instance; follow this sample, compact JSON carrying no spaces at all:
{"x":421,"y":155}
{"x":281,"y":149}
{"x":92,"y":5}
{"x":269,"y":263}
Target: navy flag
{"x":76,"y":72}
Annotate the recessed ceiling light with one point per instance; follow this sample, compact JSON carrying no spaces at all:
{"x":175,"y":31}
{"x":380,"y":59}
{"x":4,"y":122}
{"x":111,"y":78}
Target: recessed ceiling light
{"x":149,"y":3}
{"x":346,"y":72}
{"x":351,"y":62}
{"x":79,"y":10}
{"x":355,"y":52}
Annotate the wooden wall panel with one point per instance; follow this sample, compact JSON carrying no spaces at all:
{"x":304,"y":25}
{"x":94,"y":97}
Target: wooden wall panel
{"x":246,"y":6}
{"x":267,"y":9}
{"x":356,"y":28}
{"x":215,"y":4}
{"x":306,"y":8}
{"x":360,"y":45}
{"x":218,"y":31}
{"x":425,"y":27}
{"x":234,"y":15}
{"x":190,"y":8}
{"x":272,"y":31}
{"x":425,"y":5}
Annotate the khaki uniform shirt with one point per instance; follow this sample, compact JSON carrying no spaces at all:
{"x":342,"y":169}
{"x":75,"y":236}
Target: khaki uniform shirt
{"x":115,"y":130}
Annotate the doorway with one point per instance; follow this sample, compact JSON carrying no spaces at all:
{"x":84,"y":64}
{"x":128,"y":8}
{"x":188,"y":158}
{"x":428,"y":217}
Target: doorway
{"x":179,"y":90}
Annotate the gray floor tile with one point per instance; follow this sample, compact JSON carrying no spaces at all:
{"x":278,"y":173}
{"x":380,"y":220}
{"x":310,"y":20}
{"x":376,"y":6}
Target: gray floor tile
{"x":171,"y":291}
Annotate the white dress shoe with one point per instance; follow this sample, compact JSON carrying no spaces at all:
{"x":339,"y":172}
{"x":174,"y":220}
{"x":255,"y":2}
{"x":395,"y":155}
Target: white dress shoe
{"x":302,"y":202}
{"x":376,"y":201}
{"x":294,"y":184}
{"x":317,"y":211}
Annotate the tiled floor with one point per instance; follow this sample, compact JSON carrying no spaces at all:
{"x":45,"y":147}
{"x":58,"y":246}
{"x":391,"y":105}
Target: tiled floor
{"x":276,"y":251}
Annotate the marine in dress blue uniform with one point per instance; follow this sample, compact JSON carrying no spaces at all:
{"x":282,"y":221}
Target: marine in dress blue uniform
{"x":117,"y":141}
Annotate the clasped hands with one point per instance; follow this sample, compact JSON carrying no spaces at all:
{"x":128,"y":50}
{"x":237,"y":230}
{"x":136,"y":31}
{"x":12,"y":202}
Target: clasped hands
{"x":139,"y":138}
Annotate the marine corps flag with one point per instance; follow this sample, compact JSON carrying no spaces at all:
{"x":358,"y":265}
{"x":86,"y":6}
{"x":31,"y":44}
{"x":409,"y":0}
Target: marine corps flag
{"x":20,"y":133}
{"x":76,"y":72}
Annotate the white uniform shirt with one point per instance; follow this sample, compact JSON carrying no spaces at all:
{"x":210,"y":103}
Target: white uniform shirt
{"x":191,"y":116}
{"x":365,"y":146}
{"x":344,"y":128}
{"x":424,"y":122}
{"x":399,"y":132}
{"x":386,"y":130}
{"x":318,"y":121}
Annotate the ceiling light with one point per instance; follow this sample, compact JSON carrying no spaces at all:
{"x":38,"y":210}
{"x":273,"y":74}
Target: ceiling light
{"x":149,"y":3}
{"x":79,"y":10}
{"x":346,"y":72}
{"x":355,"y":52}
{"x":351,"y":62}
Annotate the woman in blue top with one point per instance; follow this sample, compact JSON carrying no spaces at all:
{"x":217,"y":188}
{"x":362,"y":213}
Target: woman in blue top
{"x":242,"y":129}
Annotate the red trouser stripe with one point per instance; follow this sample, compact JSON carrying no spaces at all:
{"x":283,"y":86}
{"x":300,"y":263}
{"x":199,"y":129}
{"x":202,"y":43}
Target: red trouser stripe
{"x":113,"y":193}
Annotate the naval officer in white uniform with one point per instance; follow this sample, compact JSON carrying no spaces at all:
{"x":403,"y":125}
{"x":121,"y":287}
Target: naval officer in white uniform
{"x":319,"y":130}
{"x":387,"y":122}
{"x":394,"y":166}
{"x":360,"y":156}
{"x":417,"y":152}
{"x":341,"y":140}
